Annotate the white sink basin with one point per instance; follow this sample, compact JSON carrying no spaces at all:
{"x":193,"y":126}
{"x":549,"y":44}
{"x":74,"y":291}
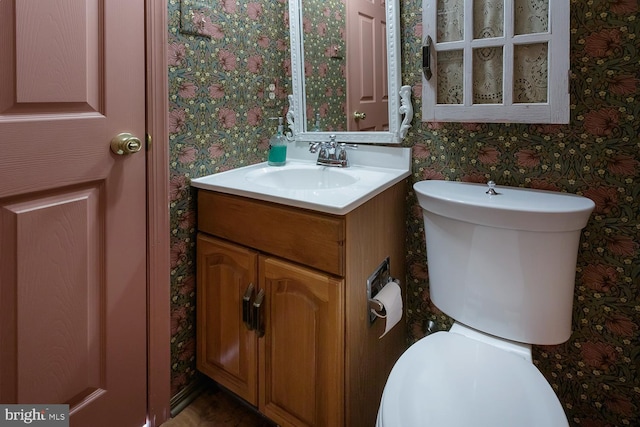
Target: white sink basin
{"x":304,"y":184}
{"x":302,"y":177}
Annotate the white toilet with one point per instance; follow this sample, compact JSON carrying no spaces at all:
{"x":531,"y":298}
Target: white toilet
{"x":502,"y":264}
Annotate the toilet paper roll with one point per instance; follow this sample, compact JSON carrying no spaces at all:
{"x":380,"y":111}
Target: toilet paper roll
{"x":391,"y":299}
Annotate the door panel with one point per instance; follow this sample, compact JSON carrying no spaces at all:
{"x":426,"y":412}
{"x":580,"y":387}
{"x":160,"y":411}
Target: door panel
{"x":61,"y":290}
{"x":367,"y":77}
{"x":301,"y":360}
{"x":227,"y":349}
{"x":34,"y":44}
{"x":72,"y":213}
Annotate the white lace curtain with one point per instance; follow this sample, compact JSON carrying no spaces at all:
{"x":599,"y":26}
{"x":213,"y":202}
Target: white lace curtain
{"x":530,"y":60}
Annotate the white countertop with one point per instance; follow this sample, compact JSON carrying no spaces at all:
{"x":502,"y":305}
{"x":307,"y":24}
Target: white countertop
{"x":372,"y":170}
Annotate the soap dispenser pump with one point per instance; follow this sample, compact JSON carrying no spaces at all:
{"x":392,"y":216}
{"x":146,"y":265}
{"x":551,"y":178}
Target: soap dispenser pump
{"x":278,"y":146}
{"x":316,"y":126}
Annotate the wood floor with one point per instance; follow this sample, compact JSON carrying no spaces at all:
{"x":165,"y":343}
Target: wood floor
{"x":216,"y":408}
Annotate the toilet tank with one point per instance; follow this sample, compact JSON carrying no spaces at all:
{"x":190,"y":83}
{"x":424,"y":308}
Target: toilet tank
{"x":505,"y":263}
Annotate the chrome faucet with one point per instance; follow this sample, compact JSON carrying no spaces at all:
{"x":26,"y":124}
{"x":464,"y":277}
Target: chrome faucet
{"x":331,"y":153}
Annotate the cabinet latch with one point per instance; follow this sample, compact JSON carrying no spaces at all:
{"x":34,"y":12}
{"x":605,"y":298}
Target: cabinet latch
{"x":426,"y":58}
{"x":258,"y":323}
{"x":247,"y":313}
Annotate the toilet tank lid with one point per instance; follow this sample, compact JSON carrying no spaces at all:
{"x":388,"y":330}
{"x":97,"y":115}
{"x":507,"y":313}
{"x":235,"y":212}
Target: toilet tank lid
{"x":512,"y":207}
{"x":447,"y":379}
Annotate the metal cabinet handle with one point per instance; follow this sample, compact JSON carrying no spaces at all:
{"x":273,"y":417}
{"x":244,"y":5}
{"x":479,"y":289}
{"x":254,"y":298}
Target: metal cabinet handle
{"x":247,"y":313}
{"x":258,"y":323}
{"x":426,"y":58}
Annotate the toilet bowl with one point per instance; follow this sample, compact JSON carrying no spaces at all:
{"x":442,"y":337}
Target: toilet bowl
{"x":501,"y":263}
{"x":451,"y":379}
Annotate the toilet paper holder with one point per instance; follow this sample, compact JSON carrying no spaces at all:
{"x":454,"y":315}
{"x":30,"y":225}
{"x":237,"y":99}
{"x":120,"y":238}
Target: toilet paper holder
{"x":376,"y":305}
{"x":376,"y":281}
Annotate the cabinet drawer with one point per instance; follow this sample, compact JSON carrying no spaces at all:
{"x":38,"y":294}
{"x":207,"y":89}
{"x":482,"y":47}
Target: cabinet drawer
{"x":310,"y":238}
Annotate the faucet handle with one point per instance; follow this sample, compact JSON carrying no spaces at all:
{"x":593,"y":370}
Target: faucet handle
{"x":343,"y":145}
{"x":343,"y":153}
{"x":313,"y":146}
{"x":342,"y":156}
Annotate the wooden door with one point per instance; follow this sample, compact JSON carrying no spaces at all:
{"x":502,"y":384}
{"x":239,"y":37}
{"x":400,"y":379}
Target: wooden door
{"x":72,"y":213}
{"x":302,"y":352}
{"x":227,"y":349}
{"x":367,"y":75}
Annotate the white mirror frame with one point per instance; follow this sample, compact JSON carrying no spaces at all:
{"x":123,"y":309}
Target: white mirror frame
{"x":400,"y":107}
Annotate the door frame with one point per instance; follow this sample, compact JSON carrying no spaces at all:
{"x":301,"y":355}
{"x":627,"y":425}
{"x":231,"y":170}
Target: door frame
{"x":158,"y":225}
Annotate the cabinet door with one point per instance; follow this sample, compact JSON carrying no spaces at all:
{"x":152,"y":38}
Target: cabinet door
{"x":226,"y":348}
{"x":302,"y":352}
{"x":496,"y":61}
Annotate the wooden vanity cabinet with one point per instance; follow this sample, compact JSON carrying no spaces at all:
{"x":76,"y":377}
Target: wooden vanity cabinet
{"x":290,"y":365}
{"x":307,"y":356}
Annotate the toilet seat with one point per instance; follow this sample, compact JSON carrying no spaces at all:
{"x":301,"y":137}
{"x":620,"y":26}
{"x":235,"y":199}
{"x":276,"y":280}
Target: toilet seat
{"x":450,"y":380}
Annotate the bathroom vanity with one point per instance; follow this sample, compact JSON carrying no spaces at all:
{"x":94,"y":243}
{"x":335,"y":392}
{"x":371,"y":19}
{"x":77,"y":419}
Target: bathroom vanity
{"x":282,"y":308}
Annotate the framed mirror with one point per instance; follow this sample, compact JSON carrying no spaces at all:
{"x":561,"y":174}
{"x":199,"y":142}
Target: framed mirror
{"x":346,"y":72}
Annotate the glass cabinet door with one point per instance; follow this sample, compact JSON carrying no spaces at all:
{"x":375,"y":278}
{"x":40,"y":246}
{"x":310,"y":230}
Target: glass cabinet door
{"x":496,"y":61}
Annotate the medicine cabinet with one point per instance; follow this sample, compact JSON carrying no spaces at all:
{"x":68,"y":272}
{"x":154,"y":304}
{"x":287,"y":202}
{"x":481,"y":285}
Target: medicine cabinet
{"x":496,"y":61}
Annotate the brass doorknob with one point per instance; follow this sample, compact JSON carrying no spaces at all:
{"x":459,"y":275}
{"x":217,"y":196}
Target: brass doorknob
{"x":359,"y":116}
{"x":125,"y":143}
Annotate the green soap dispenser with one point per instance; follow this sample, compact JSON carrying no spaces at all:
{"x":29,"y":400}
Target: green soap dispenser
{"x":316,"y":126}
{"x":278,"y":146}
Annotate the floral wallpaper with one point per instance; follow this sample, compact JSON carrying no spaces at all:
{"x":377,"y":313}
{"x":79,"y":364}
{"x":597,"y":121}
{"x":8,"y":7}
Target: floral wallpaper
{"x":218,"y":120}
{"x":229,"y":73}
